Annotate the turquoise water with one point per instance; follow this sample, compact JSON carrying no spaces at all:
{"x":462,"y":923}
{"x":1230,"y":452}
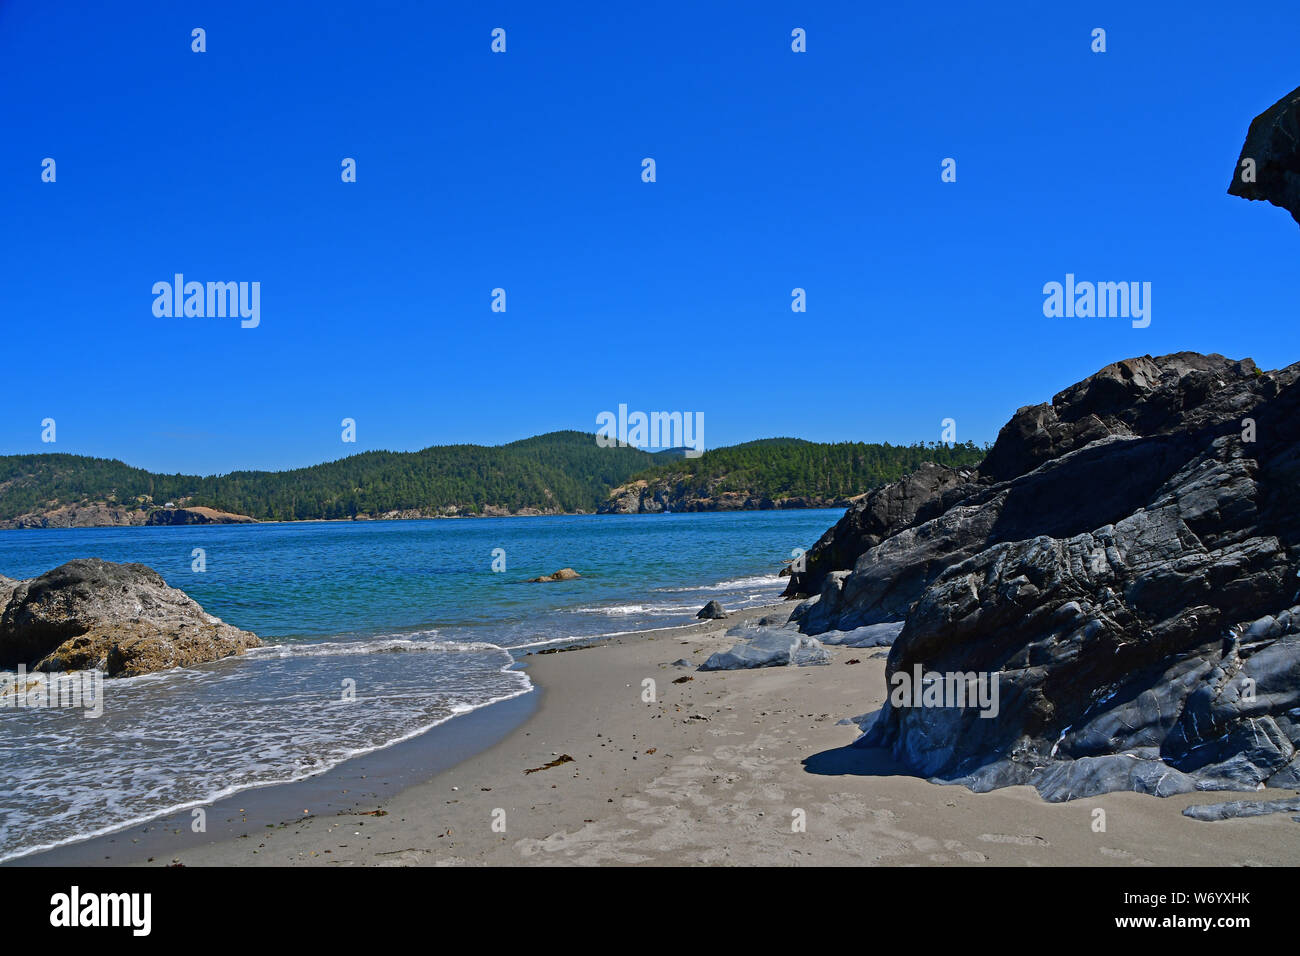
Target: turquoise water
{"x":408,"y":615}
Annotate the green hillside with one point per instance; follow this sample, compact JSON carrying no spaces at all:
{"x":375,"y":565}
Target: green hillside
{"x":561,"y":471}
{"x":564,"y":471}
{"x":794,"y":468}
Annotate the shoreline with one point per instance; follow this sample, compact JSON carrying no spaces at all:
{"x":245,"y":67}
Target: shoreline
{"x":352,"y":787}
{"x":719,"y":769}
{"x":6,"y":525}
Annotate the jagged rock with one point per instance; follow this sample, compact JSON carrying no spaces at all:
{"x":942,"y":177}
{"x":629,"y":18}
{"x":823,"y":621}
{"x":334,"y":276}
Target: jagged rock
{"x":871,"y":519}
{"x":711,"y":612}
{"x":1087,"y":459}
{"x":1273,"y":142}
{"x":1240,"y":808}
{"x":1125,"y":561}
{"x":122,"y":618}
{"x":767,"y":647}
{"x":564,"y":574}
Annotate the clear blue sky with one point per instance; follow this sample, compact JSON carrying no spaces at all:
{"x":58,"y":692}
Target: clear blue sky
{"x":775,"y":170}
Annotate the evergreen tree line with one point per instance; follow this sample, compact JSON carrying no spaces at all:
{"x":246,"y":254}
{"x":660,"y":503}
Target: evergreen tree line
{"x":791,"y":467}
{"x":562,"y":470}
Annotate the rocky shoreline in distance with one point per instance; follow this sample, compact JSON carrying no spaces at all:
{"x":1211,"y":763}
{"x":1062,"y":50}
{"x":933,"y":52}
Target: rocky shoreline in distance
{"x":99,"y":514}
{"x":642,"y":497}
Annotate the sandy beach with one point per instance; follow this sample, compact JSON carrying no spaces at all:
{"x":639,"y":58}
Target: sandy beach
{"x":719,"y":769}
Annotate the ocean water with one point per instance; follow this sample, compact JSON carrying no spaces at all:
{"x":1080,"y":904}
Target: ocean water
{"x":407,"y":615}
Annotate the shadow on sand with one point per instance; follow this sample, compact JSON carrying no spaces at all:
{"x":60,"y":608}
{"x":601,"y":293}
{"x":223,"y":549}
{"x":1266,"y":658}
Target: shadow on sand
{"x":856,"y":761}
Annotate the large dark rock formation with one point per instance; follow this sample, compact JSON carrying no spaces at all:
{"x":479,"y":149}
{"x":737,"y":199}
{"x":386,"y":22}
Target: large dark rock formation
{"x":121,"y":618}
{"x":1125,"y":559}
{"x":1273,"y":142}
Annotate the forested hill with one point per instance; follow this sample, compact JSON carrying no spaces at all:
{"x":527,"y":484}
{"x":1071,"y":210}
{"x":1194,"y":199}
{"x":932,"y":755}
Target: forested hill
{"x":549,"y":474}
{"x":559,"y":472}
{"x":779,"y":473}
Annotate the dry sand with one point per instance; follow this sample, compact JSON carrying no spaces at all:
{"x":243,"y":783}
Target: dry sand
{"x":714,"y":772}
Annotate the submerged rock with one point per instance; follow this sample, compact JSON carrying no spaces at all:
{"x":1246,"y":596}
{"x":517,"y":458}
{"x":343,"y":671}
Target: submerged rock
{"x":768,"y":647}
{"x":121,"y":618}
{"x":564,"y":574}
{"x":711,"y":612}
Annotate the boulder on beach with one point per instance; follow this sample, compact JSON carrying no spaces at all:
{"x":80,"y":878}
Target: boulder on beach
{"x":711,"y":612}
{"x":564,"y":574}
{"x":121,"y":618}
{"x":768,"y":647}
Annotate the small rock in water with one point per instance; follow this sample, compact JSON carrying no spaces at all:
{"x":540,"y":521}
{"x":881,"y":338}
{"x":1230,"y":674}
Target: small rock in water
{"x":564,"y":574}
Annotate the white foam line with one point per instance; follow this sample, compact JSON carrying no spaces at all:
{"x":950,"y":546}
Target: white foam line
{"x":639,"y":630}
{"x":732,"y":584}
{"x":268,"y":649}
{"x":596,"y":637}
{"x":230,"y":791}
{"x":352,"y":648}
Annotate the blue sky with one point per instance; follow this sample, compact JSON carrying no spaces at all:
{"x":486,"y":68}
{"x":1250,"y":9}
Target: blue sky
{"x":522,"y":171}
